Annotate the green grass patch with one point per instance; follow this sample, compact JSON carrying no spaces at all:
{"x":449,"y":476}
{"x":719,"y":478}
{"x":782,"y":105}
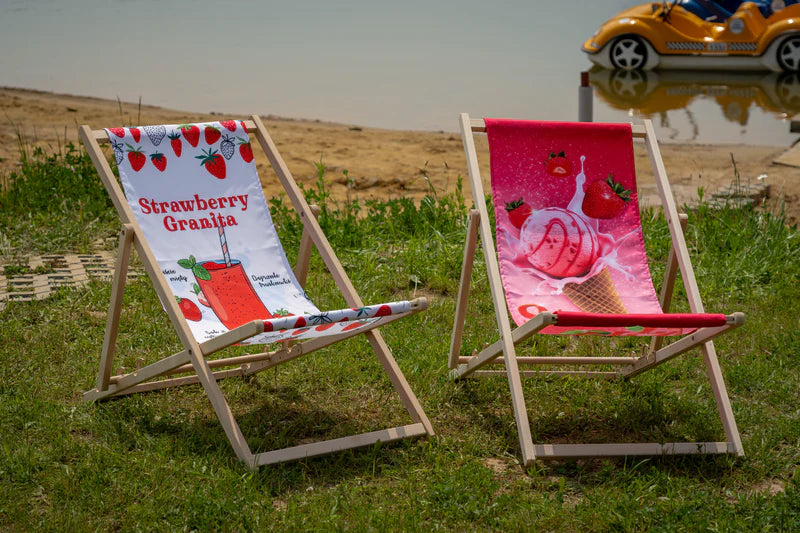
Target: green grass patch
{"x":160,"y":461}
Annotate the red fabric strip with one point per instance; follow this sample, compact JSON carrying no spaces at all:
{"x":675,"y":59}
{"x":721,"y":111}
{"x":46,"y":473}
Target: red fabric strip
{"x":667,"y":320}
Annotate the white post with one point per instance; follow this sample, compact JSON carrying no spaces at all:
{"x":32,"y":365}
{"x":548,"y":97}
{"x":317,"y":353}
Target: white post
{"x":585,"y":95}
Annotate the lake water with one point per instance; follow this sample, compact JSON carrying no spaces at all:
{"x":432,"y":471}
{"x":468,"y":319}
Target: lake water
{"x":404,"y":65}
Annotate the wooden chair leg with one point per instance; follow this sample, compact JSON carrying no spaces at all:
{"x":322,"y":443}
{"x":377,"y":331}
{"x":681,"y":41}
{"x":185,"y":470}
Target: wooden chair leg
{"x":115,"y":307}
{"x":463,"y":287}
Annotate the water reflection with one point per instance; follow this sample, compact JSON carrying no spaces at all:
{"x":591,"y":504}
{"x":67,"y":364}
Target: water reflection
{"x":655,"y":93}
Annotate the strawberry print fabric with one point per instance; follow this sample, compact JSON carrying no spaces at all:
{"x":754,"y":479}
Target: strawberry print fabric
{"x":195,"y":193}
{"x":569,"y":234}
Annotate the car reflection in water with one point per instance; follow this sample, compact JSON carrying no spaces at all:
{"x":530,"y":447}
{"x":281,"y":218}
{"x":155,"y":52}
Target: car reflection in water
{"x":654,"y":93}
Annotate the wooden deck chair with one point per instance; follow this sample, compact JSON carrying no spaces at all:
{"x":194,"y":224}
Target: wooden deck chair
{"x":571,"y":260}
{"x":195,"y":212}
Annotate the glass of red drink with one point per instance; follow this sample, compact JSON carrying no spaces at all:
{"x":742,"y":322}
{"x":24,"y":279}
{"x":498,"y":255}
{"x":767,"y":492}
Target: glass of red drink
{"x":231,"y":295}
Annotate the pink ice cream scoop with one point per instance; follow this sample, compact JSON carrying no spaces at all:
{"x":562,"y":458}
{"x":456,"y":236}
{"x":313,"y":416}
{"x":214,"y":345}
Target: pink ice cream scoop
{"x":559,"y":242}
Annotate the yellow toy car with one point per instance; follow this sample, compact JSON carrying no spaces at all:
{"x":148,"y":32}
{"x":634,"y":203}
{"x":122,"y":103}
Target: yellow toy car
{"x":700,"y":34}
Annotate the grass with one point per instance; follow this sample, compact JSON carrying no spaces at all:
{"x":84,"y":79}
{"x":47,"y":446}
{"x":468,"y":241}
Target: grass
{"x":160,"y":461}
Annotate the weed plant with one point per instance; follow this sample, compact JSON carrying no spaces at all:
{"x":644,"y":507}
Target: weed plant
{"x":160,"y":461}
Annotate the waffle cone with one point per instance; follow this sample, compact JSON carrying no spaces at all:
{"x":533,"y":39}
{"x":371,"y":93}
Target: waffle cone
{"x":596,"y":294}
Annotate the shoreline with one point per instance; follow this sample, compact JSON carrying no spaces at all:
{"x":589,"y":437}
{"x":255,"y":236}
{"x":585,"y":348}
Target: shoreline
{"x":380,"y":163}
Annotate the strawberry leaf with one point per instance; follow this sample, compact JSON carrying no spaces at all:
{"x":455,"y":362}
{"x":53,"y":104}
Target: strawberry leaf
{"x":200,"y":272}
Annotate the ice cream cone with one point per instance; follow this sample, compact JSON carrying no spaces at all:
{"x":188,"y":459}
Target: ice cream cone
{"x":596,"y":294}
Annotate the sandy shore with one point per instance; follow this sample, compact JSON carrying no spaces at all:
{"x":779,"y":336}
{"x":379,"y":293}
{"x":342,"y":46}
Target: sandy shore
{"x":380,"y":163}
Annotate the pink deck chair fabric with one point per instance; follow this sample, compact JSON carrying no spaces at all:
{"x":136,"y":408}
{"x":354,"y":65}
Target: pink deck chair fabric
{"x":569,"y":234}
{"x":195,"y":192}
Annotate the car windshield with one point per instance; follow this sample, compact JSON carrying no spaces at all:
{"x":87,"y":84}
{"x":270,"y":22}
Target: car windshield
{"x":719,"y":12}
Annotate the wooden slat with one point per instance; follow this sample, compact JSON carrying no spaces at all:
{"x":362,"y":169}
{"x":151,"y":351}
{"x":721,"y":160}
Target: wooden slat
{"x":345,"y":443}
{"x":565,"y":360}
{"x":577,"y":451}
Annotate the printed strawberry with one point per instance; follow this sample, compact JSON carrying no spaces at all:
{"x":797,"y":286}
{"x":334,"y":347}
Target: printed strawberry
{"x":300,"y":322}
{"x":558,"y":165}
{"x":191,"y":133}
{"x":213,"y":162}
{"x":137,"y":135}
{"x":518,"y":212}
{"x":323,"y":327}
{"x":212,"y":134}
{"x":159,"y":161}
{"x":245,"y":150}
{"x":175,"y":142}
{"x":605,"y":199}
{"x":200,"y":296}
{"x":384,"y":310}
{"x":229,"y":125}
{"x":119,"y":132}
{"x":300,"y":331}
{"x":227,"y":147}
{"x":136,"y":157}
{"x":156,"y":134}
{"x":355,"y":325}
{"x":119,"y":153}
{"x":189,"y":309}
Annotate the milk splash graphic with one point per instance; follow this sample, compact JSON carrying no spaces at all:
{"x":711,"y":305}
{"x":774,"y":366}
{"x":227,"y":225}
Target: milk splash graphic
{"x":583,"y":254}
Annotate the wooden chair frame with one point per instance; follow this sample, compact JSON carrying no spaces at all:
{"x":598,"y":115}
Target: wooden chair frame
{"x":193,"y":358}
{"x":464,"y":366}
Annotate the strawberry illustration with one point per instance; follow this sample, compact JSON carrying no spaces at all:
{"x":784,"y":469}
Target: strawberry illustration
{"x":175,"y":142}
{"x":229,"y":125}
{"x":119,"y":153}
{"x":189,"y":309}
{"x":323,"y":327}
{"x":227,"y":147}
{"x":136,"y":157}
{"x":605,"y":198}
{"x":245,"y":150}
{"x":354,"y":325}
{"x":213,"y":162}
{"x":384,"y":310}
{"x":119,"y":132}
{"x":200,"y":296}
{"x":159,"y":161}
{"x":137,"y":135}
{"x":558,"y":165}
{"x":212,"y":134}
{"x":300,"y":331}
{"x":518,"y":212}
{"x":156,"y":134}
{"x":191,"y":133}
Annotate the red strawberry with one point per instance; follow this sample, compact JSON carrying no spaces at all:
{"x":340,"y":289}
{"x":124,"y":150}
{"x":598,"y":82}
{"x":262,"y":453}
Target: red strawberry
{"x":136,"y":157}
{"x":189,"y":309}
{"x":354,"y":325}
{"x":214,"y":163}
{"x":245,"y":150}
{"x":159,"y":161}
{"x":384,"y":310}
{"x":229,"y":125}
{"x":136,"y":134}
{"x":177,"y":145}
{"x":300,"y":331}
{"x":558,"y":165}
{"x":191,"y":133}
{"x":518,"y":212}
{"x":323,"y":327}
{"x":300,"y":322}
{"x":212,"y":134}
{"x":605,"y":199}
{"x":119,"y":132}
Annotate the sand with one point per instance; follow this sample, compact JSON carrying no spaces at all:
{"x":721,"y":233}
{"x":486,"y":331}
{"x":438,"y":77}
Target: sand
{"x":379,"y":163}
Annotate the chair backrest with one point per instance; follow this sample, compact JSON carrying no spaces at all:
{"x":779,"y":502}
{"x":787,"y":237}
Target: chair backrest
{"x":568,"y":227}
{"x":196,"y":195}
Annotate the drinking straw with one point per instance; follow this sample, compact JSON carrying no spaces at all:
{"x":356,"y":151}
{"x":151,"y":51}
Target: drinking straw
{"x":224,"y":243}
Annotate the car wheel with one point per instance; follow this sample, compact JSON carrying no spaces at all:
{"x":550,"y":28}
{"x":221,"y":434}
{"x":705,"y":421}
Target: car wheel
{"x":788,"y":90}
{"x":789,"y":54}
{"x":628,"y":53}
{"x":629,"y":85}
